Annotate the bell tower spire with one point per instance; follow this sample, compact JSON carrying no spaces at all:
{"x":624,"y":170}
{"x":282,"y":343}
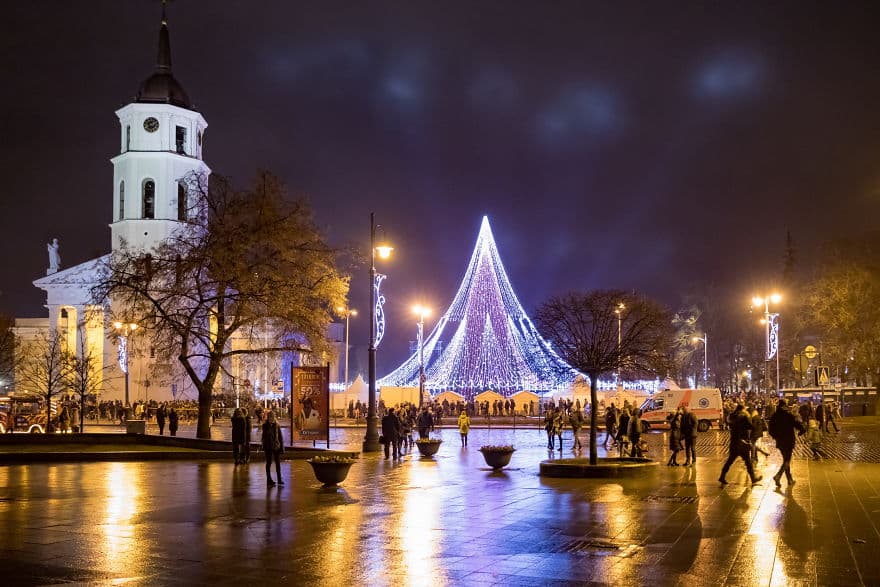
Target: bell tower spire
{"x":163,"y":59}
{"x":161,"y":147}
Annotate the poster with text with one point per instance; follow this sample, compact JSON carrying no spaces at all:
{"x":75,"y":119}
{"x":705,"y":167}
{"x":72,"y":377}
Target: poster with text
{"x":311,"y":403}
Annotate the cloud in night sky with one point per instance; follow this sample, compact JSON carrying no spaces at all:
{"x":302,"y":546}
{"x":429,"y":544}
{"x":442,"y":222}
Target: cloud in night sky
{"x":728,"y":75}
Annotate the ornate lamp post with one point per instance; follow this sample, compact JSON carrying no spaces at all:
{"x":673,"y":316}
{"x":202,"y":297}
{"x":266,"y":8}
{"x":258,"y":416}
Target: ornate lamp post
{"x":377,"y":329}
{"x":619,"y":311}
{"x":347,"y":312}
{"x":705,"y":340}
{"x":771,"y":325}
{"x":124,"y":329}
{"x":421,"y":312}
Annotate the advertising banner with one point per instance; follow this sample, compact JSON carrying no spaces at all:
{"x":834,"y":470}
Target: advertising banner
{"x":310,"y":405}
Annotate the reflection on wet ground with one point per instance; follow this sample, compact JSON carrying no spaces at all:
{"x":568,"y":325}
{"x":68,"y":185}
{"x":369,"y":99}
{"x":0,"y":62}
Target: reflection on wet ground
{"x":447,"y":520}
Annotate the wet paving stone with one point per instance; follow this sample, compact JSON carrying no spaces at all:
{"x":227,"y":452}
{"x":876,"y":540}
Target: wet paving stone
{"x":442,"y":521}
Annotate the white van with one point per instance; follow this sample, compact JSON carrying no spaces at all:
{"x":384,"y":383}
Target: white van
{"x":704,"y":403}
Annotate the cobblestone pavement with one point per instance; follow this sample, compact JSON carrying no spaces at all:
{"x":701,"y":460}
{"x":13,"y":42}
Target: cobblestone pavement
{"x":443,"y":521}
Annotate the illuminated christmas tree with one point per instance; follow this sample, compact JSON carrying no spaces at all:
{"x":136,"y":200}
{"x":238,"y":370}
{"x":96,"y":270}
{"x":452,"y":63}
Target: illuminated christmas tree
{"x":492,"y":344}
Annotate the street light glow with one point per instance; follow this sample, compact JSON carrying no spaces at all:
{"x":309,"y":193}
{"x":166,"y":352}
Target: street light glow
{"x":422,"y":311}
{"x":384,"y":251}
{"x":776,"y":298}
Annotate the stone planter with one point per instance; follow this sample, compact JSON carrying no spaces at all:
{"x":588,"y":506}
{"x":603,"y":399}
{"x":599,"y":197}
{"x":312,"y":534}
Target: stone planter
{"x":497,"y":459}
{"x":331,"y":473}
{"x":429,"y":449}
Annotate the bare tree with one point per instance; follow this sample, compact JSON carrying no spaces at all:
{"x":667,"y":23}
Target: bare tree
{"x":85,"y":377}
{"x":43,"y":369}
{"x":583,"y":328}
{"x":244,"y":261}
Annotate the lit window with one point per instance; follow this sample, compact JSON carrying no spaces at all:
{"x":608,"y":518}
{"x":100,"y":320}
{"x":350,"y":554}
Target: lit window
{"x":149,"y":199}
{"x":122,"y":200}
{"x":181,"y":140}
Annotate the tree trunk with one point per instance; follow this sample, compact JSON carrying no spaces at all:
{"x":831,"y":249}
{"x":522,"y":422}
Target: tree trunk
{"x":204,"y":426}
{"x":82,"y":413}
{"x":594,"y":404}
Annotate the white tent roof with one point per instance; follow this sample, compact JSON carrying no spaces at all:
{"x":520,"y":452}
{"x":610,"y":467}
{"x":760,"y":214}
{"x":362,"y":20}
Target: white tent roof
{"x":525,"y":396}
{"x":359,"y":388}
{"x":449,"y":396}
{"x":488,"y":395}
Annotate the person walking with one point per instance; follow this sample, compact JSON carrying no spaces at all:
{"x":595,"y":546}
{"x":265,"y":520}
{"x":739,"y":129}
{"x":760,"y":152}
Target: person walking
{"x":557,"y":426}
{"x":238,"y":425}
{"x":782,"y":427}
{"x":830,"y":416}
{"x":161,"y":415}
{"x":814,"y":438}
{"x":635,"y":433}
{"x":425,"y":422}
{"x":391,"y":433}
{"x":610,"y":425}
{"x":172,"y":421}
{"x":464,"y":426}
{"x":623,"y":430}
{"x":689,"y":436}
{"x":273,"y":446}
{"x":674,"y":420}
{"x":758,"y":428}
{"x":740,"y":446}
{"x":576,"y":421}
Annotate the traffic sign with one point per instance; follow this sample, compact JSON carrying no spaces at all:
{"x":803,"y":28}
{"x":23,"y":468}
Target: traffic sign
{"x":823,"y":376}
{"x":810,"y":351}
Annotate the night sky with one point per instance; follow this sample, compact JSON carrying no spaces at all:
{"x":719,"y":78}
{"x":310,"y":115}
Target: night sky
{"x":650,"y":145}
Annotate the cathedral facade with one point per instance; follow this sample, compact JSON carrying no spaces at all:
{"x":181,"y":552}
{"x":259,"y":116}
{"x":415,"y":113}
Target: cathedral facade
{"x":161,"y":137}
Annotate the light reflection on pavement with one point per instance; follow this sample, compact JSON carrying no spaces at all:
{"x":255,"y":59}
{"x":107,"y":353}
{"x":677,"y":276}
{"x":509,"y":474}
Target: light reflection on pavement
{"x":447,"y":520}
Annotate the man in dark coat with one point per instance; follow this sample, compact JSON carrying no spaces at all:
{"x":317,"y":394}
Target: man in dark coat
{"x":391,"y":433}
{"x":172,"y":422}
{"x":689,"y":435}
{"x":425,"y":422}
{"x":161,"y":414}
{"x":740,"y":444}
{"x":782,"y":428}
{"x":238,"y":425}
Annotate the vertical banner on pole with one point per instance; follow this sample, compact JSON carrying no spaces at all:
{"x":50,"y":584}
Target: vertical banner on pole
{"x":310,"y":403}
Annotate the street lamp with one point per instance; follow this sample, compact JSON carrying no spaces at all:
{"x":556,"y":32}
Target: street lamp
{"x":347,"y":313}
{"x":124,"y":329}
{"x":705,"y":340}
{"x":421,"y":312}
{"x":771,"y":326}
{"x":619,"y":311}
{"x":371,"y":438}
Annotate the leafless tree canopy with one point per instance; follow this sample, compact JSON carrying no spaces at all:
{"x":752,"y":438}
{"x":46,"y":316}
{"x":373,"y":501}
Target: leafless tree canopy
{"x":243,"y":259}
{"x":583,"y":329}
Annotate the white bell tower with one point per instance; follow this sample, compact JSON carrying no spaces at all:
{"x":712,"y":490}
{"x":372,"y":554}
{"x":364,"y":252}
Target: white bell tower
{"x":160,"y":145}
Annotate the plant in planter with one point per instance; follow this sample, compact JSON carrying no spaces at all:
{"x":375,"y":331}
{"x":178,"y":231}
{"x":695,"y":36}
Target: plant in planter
{"x":332,"y":469}
{"x":497,"y":456}
{"x":428,"y":446}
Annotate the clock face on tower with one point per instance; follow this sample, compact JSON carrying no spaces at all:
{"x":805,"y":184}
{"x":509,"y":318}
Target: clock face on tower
{"x":151,"y":124}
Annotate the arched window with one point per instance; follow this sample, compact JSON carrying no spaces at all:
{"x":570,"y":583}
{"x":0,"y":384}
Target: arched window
{"x":149,"y":199}
{"x":122,"y":200}
{"x":181,"y":202}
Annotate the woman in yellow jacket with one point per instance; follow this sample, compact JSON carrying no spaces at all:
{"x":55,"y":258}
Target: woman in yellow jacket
{"x":464,"y":426}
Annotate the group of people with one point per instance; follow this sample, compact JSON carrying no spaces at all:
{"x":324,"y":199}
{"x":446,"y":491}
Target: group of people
{"x":398,"y":424}
{"x":784,"y":425}
{"x":271,"y":442}
{"x":554,"y":424}
{"x":623,"y":430}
